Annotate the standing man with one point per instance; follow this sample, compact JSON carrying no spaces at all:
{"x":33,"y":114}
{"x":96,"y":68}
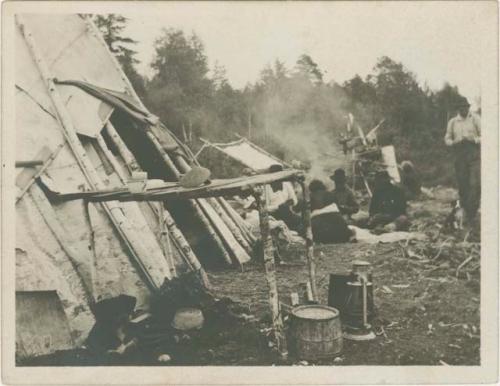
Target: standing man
{"x":463,"y":135}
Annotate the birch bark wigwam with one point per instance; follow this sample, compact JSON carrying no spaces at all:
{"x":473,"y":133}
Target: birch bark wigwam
{"x":106,"y":161}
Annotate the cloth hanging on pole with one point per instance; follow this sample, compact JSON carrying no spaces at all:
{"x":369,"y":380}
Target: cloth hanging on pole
{"x":128,"y":105}
{"x":119,"y":100}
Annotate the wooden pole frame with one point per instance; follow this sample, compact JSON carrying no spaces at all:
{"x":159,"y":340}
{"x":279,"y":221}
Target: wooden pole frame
{"x":231,"y":239}
{"x":195,"y":204}
{"x":306,"y":217}
{"x":269,"y":265}
{"x":230,"y":223}
{"x":168,"y":228}
{"x":124,"y":151}
{"x":247,"y":233}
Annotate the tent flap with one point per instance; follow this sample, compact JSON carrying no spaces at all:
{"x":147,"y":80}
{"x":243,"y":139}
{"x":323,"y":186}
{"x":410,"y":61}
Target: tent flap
{"x":248,"y":154}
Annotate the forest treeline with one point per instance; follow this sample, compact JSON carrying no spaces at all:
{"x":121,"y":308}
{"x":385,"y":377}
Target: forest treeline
{"x":294,"y":112}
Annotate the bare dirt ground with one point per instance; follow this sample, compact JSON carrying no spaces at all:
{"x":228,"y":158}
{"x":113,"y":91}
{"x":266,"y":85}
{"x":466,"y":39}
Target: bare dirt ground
{"x":427,"y":296}
{"x":427,"y":313}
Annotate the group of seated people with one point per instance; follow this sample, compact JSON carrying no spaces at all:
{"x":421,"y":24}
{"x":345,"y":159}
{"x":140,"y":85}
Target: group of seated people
{"x":332,"y":211}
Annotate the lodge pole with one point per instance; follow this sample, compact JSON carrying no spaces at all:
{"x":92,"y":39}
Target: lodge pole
{"x":230,"y":223}
{"x":124,"y":151}
{"x":268,"y":257}
{"x":233,"y":244}
{"x":165,"y":220}
{"x":306,"y":218}
{"x":194,"y":203}
{"x":239,"y":221}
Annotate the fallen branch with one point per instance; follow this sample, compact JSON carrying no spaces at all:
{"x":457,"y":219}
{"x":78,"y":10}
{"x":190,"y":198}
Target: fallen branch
{"x":441,"y":248}
{"x":463,"y":264}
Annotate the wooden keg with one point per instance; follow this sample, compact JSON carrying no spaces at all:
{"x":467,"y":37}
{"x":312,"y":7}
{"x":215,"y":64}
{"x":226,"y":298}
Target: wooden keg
{"x":316,"y":332}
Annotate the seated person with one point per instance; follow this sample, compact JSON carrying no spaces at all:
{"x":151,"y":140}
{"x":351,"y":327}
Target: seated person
{"x":319,"y":196}
{"x":388,"y":205}
{"x":328,"y":225}
{"x":281,"y":198}
{"x":110,"y":333}
{"x":342,"y":195}
{"x":410,"y":181}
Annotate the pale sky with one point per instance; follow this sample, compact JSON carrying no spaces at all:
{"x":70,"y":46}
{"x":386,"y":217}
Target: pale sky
{"x":438,"y":41}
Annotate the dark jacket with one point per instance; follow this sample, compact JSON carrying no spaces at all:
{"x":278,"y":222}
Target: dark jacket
{"x":330,"y":228}
{"x":345,"y":200}
{"x":410,"y":183}
{"x":389,"y":200}
{"x":327,"y":227}
{"x":321,"y":198}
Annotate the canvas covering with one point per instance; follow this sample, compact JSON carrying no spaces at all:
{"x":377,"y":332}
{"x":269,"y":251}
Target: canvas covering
{"x":249,"y":155}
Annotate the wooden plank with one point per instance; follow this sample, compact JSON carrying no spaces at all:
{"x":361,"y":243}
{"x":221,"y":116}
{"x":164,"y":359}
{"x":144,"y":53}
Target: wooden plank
{"x":172,"y":190}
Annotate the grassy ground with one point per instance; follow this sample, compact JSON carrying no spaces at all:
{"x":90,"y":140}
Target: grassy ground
{"x":426,"y":315}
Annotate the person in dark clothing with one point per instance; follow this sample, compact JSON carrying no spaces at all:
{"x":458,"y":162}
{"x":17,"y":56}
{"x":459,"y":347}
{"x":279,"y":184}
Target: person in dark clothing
{"x":328,"y":225}
{"x":388,"y":204}
{"x":342,"y":195}
{"x":410,"y":180}
{"x":110,"y":333}
{"x":320,"y":196}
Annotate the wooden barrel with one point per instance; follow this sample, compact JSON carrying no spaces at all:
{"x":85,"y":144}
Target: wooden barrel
{"x":316,"y":332}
